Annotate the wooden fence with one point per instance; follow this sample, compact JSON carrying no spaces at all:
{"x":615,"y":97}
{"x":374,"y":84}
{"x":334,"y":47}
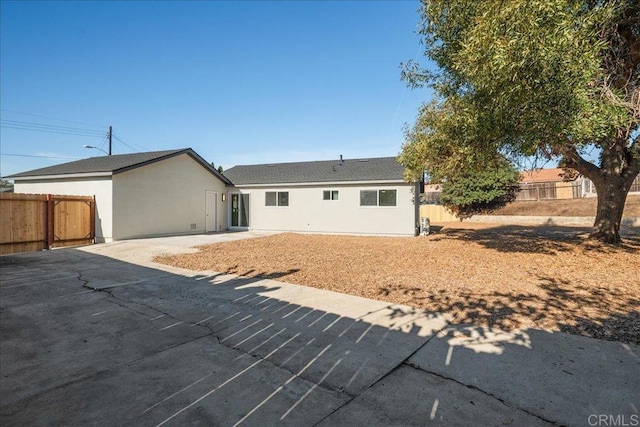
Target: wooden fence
{"x":33,"y":222}
{"x":437,"y":213}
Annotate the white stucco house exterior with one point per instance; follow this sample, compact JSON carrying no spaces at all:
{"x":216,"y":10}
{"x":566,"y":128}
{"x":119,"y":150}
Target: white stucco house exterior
{"x":139,"y":195}
{"x":355,"y":196}
{"x":177,"y":192}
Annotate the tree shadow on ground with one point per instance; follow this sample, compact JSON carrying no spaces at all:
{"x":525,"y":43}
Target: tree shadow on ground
{"x":601,"y":312}
{"x":538,"y":239}
{"x":252,"y":273}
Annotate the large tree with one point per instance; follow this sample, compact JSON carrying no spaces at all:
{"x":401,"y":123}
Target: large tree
{"x":556,"y":79}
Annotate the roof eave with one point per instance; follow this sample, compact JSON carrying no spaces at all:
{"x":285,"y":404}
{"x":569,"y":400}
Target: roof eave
{"x":60,"y":176}
{"x":195,"y":156}
{"x":148,"y":162}
{"x":323,"y":183}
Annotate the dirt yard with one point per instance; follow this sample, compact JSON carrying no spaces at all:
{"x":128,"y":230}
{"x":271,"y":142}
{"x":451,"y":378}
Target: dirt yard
{"x":499,"y":276}
{"x":566,"y":207}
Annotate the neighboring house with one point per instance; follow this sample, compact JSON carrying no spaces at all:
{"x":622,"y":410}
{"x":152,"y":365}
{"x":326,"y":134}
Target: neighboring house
{"x":139,"y":195}
{"x":543,"y":184}
{"x":431,"y":195}
{"x":554,"y":184}
{"x":359,"y":196}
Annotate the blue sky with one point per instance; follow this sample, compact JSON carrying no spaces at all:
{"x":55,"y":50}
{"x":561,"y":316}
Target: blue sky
{"x":239,"y":82}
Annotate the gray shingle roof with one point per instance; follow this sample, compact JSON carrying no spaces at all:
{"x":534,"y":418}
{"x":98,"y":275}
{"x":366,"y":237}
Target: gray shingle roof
{"x":375,"y":169}
{"x":116,"y":164}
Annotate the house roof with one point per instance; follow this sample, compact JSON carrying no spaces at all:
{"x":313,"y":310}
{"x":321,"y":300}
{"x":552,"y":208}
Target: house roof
{"x":116,"y":164}
{"x":548,"y":175}
{"x":374,"y":169}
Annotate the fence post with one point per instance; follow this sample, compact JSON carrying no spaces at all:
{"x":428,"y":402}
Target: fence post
{"x":49,"y":210}
{"x":92,"y":216}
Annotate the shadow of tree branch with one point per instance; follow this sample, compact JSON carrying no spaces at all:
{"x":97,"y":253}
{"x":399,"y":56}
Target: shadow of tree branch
{"x":555,"y":304}
{"x":537,"y":239}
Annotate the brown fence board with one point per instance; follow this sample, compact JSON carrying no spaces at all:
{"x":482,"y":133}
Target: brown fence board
{"x":437,"y":213}
{"x":22,"y":223}
{"x":32,"y":222}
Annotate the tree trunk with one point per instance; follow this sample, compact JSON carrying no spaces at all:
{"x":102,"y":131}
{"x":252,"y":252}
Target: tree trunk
{"x":619,"y":167}
{"x":612,"y":195}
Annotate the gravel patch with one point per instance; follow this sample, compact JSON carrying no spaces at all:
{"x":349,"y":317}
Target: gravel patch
{"x":498,"y":276}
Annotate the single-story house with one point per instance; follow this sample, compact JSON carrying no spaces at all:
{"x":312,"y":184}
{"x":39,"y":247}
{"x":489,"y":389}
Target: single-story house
{"x":535,"y":184}
{"x":138,"y":195}
{"x":178,"y":192}
{"x":542,"y":184}
{"x":555,"y":183}
{"x":361,"y":196}
{"x":558,"y":183}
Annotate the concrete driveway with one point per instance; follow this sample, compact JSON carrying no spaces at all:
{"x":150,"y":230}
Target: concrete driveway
{"x":102,"y":335}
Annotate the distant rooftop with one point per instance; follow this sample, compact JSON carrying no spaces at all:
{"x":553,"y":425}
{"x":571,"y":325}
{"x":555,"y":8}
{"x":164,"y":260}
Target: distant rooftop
{"x":548,"y":175}
{"x":373,"y":169}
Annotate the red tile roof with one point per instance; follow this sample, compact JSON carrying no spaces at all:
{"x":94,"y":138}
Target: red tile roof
{"x":548,"y":175}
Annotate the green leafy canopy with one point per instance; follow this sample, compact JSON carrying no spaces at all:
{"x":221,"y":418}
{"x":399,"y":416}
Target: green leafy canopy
{"x":513,"y":78}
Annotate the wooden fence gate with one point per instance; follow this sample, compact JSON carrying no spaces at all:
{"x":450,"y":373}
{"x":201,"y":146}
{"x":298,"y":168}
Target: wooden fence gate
{"x":33,"y":222}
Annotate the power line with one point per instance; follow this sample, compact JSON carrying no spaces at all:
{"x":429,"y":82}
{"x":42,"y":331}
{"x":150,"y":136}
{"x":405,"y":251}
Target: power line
{"x":124,"y":141}
{"x":49,"y":131}
{"x":133,"y":150}
{"x":51,"y":118}
{"x":104,"y":141}
{"x":64,"y":130}
{"x":43,"y":157}
{"x":48,"y":126}
{"x":15,"y":124}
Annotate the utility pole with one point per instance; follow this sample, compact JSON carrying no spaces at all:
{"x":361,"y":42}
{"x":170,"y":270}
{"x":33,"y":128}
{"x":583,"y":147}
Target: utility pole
{"x":110,"y":136}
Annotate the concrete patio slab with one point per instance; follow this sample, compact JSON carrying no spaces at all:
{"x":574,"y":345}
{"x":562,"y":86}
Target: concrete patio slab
{"x":103,"y":335}
{"x":562,"y":378}
{"x":410,"y":397}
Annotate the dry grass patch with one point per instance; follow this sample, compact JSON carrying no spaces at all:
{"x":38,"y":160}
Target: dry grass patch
{"x":498,"y":276}
{"x":566,"y":207}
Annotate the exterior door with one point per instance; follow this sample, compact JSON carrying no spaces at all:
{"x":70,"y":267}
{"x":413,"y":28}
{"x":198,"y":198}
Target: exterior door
{"x":239,"y":210}
{"x":211,"y":211}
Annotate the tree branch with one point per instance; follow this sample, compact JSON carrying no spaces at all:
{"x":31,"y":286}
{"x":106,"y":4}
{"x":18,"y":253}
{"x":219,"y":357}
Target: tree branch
{"x":573,"y":159}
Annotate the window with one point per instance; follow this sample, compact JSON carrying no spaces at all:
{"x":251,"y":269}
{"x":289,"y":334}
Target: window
{"x":280,"y":198}
{"x":387,"y":197}
{"x":368,"y":198}
{"x":378,"y":197}
{"x":283,"y":198}
{"x":330,"y":195}
{"x":270,"y":198}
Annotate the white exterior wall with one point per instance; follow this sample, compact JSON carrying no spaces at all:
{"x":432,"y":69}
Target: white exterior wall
{"x":100,"y":187}
{"x":164,"y":198}
{"x":308,"y":212}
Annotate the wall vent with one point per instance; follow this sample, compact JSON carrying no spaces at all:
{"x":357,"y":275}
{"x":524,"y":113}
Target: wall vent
{"x":193,"y":226}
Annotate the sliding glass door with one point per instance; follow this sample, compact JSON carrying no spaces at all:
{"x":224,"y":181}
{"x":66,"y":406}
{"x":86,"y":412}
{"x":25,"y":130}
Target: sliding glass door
{"x":239,"y":210}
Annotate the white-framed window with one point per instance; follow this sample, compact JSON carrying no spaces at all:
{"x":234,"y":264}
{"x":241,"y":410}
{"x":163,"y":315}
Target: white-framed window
{"x":276,"y":198}
{"x":270,"y":198}
{"x":387,"y":197}
{"x":378,"y":198}
{"x":330,"y":195}
{"x":368,"y":198}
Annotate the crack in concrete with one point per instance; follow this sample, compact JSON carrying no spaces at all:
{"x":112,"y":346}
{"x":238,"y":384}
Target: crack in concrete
{"x":211,"y":333}
{"x":473,"y":387}
{"x":109,"y":292}
{"x":391,"y":371}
